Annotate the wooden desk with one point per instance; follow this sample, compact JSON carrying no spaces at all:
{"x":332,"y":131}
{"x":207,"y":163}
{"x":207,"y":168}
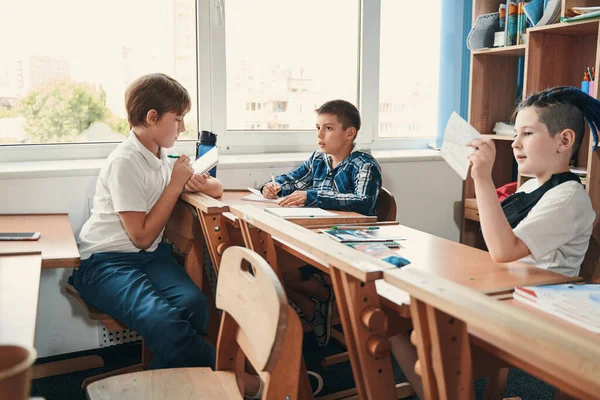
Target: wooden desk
{"x":451,"y":319}
{"x":467,"y":265}
{"x":56,"y":243}
{"x":354,"y":276}
{"x":234,"y":198}
{"x":19,"y":290}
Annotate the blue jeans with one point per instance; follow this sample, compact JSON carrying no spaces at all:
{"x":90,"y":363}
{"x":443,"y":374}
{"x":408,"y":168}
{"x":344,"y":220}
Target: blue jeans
{"x":152,"y":294}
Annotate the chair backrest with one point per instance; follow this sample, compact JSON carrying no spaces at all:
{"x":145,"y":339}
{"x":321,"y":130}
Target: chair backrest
{"x":257,"y":320}
{"x":448,"y":317}
{"x":385,"y":206}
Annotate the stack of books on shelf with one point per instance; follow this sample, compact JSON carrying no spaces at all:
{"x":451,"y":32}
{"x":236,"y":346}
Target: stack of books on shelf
{"x":504,"y":128}
{"x":577,"y":303}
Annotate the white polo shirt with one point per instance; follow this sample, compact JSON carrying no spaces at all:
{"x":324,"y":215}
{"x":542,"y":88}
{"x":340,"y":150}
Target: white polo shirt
{"x":557,"y":230}
{"x":133,"y":179}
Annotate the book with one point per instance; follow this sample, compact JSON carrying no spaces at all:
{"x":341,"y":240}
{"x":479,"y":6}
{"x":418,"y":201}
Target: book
{"x":455,"y":151}
{"x":299,"y":212}
{"x":576,"y":303}
{"x":256,"y":195}
{"x":381,"y":252}
{"x":504,"y":128}
{"x":355,"y":235}
{"x":206,"y":161}
{"x":589,"y":15}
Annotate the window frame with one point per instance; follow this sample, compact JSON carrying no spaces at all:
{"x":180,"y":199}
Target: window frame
{"x":212,"y":101}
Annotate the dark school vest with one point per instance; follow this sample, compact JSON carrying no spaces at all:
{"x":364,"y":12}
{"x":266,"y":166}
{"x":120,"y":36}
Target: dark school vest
{"x":517,"y":206}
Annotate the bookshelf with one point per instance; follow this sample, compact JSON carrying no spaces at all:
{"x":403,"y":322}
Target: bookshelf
{"x":555,"y":55}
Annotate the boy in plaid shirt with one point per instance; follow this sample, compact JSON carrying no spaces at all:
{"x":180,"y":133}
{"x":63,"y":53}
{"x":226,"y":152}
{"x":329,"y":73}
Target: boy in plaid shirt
{"x":339,"y":176}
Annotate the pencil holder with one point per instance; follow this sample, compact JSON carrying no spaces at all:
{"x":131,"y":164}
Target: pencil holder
{"x":15,"y":371}
{"x":591,"y":88}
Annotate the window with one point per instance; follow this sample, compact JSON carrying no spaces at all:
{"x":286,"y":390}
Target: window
{"x":65,"y":67}
{"x":256,"y":71}
{"x":409,"y":68}
{"x":301,"y":54}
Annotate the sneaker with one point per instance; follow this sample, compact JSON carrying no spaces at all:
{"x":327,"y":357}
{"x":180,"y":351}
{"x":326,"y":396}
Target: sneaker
{"x":321,"y":319}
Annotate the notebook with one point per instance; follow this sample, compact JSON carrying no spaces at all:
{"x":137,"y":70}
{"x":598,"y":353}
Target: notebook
{"x":299,"y":212}
{"x":381,"y":252}
{"x":256,"y":195}
{"x":355,"y":235}
{"x":206,"y":161}
{"x":576,"y":303}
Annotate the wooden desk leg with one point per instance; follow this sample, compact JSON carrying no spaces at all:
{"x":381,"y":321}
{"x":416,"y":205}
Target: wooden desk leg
{"x":444,"y":362}
{"x":217,"y":240}
{"x":364,"y":326}
{"x":262,"y":243}
{"x":216,"y":235}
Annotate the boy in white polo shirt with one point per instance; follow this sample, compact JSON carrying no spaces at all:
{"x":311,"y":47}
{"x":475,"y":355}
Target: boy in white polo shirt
{"x":125,"y":269}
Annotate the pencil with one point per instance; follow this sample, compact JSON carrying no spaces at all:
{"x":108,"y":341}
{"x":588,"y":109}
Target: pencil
{"x":273,"y":178}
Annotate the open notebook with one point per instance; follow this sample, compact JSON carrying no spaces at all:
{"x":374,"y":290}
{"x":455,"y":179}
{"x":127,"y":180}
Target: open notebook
{"x":256,"y":195}
{"x":299,"y":212}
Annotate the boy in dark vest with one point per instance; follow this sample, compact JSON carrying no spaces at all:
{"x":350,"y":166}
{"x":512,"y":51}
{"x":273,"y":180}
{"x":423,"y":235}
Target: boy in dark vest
{"x":549,"y":221}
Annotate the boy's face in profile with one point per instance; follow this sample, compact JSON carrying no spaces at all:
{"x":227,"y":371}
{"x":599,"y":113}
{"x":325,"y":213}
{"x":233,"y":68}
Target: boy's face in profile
{"x":534,"y":149}
{"x":167,"y":129}
{"x":332,"y":138}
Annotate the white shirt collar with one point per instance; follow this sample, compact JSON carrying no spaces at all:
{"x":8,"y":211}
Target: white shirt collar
{"x":150,"y":158}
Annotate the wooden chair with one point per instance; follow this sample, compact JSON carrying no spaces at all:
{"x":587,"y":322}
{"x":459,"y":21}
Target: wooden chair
{"x":112,"y":325}
{"x":192,"y":250}
{"x":385,"y":206}
{"x":257,"y":323}
{"x":451,"y":321}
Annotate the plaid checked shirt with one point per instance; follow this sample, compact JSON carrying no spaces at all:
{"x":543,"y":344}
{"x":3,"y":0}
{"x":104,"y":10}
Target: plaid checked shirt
{"x":351,"y":186}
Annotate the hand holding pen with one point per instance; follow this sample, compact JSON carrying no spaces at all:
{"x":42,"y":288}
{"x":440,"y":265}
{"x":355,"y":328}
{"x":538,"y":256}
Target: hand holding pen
{"x":271,"y":189}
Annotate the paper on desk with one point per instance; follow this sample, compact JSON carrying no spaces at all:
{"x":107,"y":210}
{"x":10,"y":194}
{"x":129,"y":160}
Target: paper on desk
{"x":454,"y":149}
{"x":258,"y":196}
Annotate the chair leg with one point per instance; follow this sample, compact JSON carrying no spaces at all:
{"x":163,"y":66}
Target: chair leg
{"x":67,"y":366}
{"x":120,"y":371}
{"x":496,"y":383}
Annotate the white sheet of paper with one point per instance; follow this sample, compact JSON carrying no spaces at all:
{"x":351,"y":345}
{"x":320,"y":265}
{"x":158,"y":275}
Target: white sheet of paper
{"x":454,"y":150}
{"x":258,"y":196}
{"x":299,"y":212}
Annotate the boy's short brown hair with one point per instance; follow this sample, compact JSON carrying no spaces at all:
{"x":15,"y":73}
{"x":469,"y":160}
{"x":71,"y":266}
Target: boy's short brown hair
{"x":157,"y":92}
{"x":345,"y":112}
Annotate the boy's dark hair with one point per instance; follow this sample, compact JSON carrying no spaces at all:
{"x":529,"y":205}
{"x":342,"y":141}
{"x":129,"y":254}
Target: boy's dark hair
{"x":566,"y":107}
{"x":157,"y":92}
{"x":345,"y":112}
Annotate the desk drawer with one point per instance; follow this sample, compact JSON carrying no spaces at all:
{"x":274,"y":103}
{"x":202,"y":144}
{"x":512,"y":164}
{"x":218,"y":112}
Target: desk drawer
{"x":471,"y":214}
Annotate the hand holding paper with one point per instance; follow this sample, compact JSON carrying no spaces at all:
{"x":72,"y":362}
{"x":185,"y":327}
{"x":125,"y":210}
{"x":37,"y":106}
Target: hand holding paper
{"x":482,"y":158}
{"x":457,"y":136}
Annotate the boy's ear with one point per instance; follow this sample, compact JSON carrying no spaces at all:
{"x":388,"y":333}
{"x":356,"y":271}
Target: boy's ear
{"x":151,"y":117}
{"x":566,"y":140}
{"x":351,"y":133}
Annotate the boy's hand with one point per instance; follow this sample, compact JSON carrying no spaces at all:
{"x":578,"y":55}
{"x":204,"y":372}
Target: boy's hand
{"x":296,"y":199}
{"x":270,"y":190}
{"x":482,"y":159}
{"x":197,"y":182}
{"x":182,"y":171}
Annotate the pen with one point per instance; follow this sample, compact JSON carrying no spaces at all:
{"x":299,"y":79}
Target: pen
{"x":273,"y":178}
{"x":342,"y":227}
{"x":172,"y":156}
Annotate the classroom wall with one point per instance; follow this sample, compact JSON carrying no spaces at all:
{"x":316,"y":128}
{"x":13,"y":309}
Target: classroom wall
{"x":428,"y":194}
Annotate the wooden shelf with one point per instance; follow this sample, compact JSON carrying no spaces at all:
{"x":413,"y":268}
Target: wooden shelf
{"x":499,"y":137}
{"x":589,"y":27}
{"x":507,"y":51}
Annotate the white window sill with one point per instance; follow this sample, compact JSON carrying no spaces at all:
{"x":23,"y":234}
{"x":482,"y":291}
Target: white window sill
{"x":65,"y":168}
